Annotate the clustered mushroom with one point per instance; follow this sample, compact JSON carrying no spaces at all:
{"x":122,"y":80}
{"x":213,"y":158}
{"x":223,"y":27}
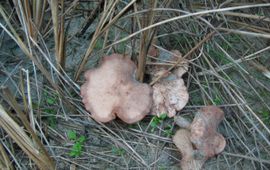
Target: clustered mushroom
{"x":199,"y":140}
{"x":111,"y":91}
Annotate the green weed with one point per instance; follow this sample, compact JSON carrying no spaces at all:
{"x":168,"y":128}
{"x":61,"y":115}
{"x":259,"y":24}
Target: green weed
{"x":99,"y":44}
{"x":168,"y":130}
{"x":118,"y":151}
{"x":217,"y":100}
{"x":50,"y":99}
{"x":156,"y":120}
{"x":78,"y":143}
{"x":51,"y":118}
{"x":265,"y":115}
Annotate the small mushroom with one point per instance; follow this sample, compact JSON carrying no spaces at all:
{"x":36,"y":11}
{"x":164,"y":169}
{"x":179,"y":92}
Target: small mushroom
{"x":111,"y":91}
{"x":199,"y":140}
{"x":204,"y":135}
{"x":170,"y":93}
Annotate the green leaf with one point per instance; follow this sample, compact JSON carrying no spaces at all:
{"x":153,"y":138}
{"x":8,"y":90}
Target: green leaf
{"x":71,"y":135}
{"x":72,"y":153}
{"x":77,"y":147}
{"x":76,"y":150}
{"x":49,"y":110}
{"x":82,"y":139}
{"x":217,"y":101}
{"x":52,"y":121}
{"x":118,"y":151}
{"x":51,"y":101}
{"x":163,"y":116}
{"x":154,"y":123}
{"x":99,"y":44}
{"x":168,"y":132}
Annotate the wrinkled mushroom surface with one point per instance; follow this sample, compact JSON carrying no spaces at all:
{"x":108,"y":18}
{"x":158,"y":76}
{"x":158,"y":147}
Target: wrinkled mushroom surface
{"x":199,"y":138}
{"x":182,"y":141}
{"x":170,"y":93}
{"x":111,"y":90}
{"x":204,"y":133}
{"x":169,"y":97}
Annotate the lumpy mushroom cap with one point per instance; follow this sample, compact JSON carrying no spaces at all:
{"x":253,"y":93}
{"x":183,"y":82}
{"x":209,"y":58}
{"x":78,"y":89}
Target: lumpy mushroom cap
{"x":111,"y":90}
{"x":204,"y":133}
{"x":170,"y":93}
{"x":169,"y":97}
{"x":199,"y":140}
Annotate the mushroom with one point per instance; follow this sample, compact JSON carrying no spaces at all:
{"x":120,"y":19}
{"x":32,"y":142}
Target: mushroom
{"x":182,"y":141}
{"x":111,"y":91}
{"x":170,"y":93}
{"x":169,"y":97}
{"x":199,"y":140}
{"x":204,"y":135}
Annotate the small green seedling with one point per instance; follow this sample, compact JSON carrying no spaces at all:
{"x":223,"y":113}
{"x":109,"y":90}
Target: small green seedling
{"x":265,"y":115}
{"x":168,"y":130}
{"x":51,"y":117}
{"x":50,"y":99}
{"x":72,"y":135}
{"x":217,"y":101}
{"x":118,"y":151}
{"x":156,"y":120}
{"x":99,"y":44}
{"x":77,"y":147}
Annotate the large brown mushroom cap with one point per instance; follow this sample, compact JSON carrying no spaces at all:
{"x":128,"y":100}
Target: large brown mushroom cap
{"x":111,"y":90}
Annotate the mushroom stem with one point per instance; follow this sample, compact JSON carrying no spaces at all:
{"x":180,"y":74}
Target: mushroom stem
{"x":182,"y":122}
{"x":188,"y":162}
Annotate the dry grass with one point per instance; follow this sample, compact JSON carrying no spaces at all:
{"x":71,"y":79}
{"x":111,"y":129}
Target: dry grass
{"x":44,"y":44}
